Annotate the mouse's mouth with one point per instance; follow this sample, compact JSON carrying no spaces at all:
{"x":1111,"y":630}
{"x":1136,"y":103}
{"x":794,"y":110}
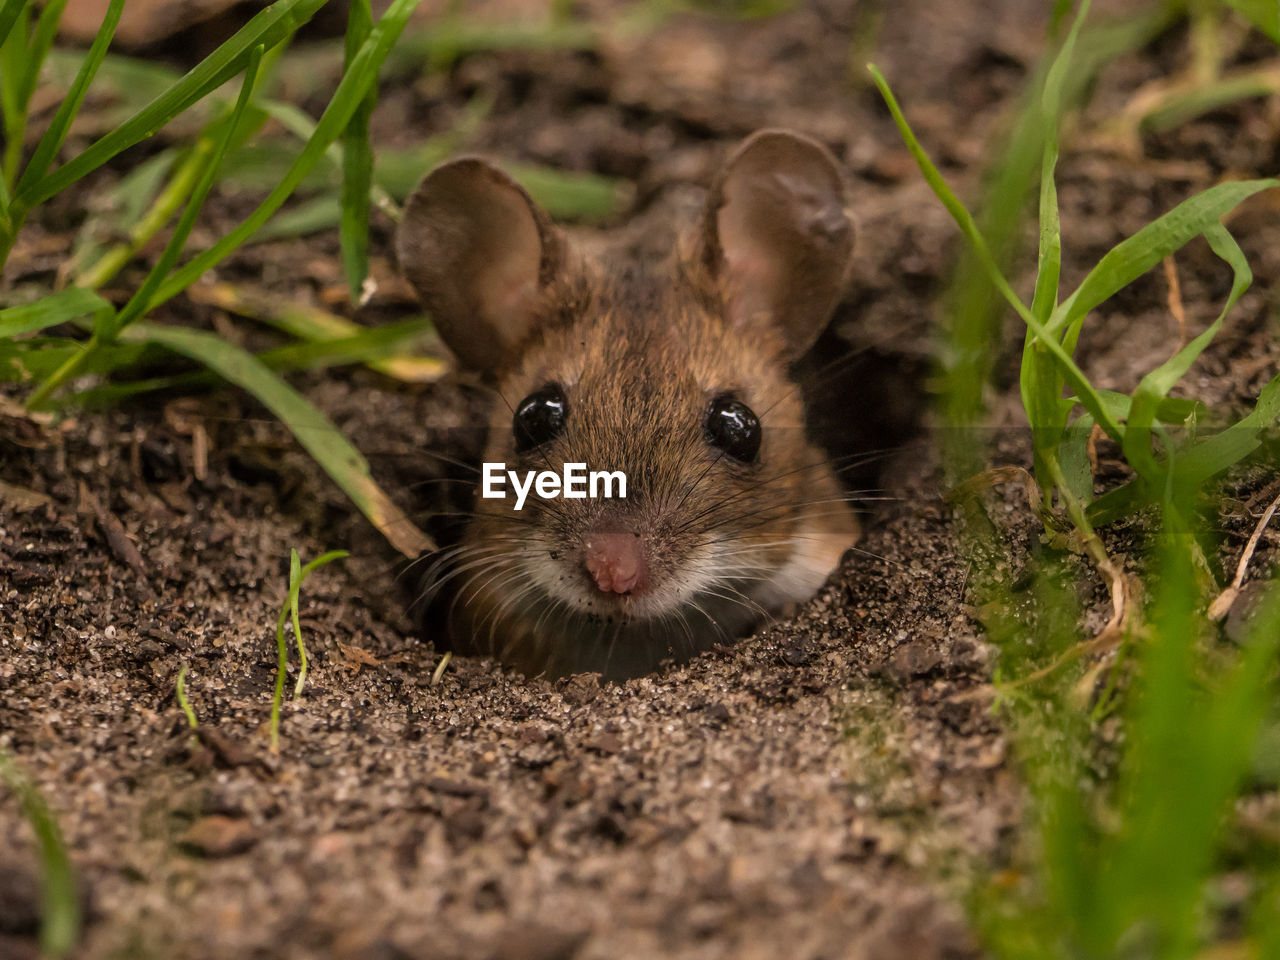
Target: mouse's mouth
{"x":616,"y":576}
{"x":651,"y":599}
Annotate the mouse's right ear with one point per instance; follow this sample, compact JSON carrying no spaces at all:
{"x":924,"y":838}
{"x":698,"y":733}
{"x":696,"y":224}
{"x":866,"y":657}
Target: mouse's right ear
{"x":777,"y":236}
{"x":480,"y":254}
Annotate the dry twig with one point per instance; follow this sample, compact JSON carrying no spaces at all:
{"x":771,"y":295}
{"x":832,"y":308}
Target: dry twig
{"x":1175,"y":300}
{"x":1222,"y":603}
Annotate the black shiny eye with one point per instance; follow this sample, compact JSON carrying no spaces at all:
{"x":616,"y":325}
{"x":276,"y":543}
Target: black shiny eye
{"x":733,"y":428}
{"x":540,"y":417}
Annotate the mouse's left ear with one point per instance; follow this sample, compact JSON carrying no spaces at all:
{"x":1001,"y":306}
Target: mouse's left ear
{"x":776,"y":236}
{"x":481,"y":255}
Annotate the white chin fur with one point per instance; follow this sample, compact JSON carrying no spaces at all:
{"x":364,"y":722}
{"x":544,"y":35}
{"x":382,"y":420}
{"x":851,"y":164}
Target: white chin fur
{"x":566,"y":584}
{"x":811,"y":561}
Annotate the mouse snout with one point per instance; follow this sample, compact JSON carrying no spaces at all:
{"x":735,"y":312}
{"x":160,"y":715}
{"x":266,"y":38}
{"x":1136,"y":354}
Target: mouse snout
{"x":616,"y":562}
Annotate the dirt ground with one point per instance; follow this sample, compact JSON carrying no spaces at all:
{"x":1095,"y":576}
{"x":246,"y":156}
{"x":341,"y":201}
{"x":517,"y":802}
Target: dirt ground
{"x":825,"y":789}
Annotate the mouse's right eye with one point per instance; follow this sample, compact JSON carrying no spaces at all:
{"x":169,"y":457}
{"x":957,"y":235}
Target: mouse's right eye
{"x":733,"y":427}
{"x":540,"y":417}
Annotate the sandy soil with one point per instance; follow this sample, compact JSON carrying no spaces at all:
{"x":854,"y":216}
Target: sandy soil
{"x":825,"y":789}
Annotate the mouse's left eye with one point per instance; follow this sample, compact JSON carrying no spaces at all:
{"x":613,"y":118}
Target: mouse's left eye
{"x":733,"y":427}
{"x":540,"y":417}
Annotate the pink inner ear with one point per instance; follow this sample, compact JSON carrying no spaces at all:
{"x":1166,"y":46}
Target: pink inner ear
{"x":752,"y":226}
{"x":506,"y":293}
{"x":782,"y":236}
{"x":506,"y":256}
{"x":752,"y":276}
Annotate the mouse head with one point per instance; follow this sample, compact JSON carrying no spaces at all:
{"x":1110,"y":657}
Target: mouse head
{"x":677,"y":377}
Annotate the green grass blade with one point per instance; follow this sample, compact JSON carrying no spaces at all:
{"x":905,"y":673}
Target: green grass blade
{"x":1263,"y":14}
{"x":173,"y":249}
{"x":125,"y":84}
{"x":962,"y":217}
{"x":5,"y":200}
{"x":1228,"y":447}
{"x":1049,"y":255}
{"x":262,"y":165}
{"x":9,"y":11}
{"x":355,"y":84}
{"x":1039,"y":380}
{"x":161,"y":210}
{"x":1049,"y":260}
{"x":395,"y":172}
{"x":314,"y":431}
{"x":297,"y":574}
{"x":51,"y":310}
{"x":1197,"y":465}
{"x":378,"y":347}
{"x":564,"y":195}
{"x":38,"y":358}
{"x":568,"y":195}
{"x":1157,"y":383}
{"x":1117,"y":503}
{"x":314,"y":216}
{"x":1168,"y":410}
{"x":1157,"y":735}
{"x":1133,"y":257}
{"x":183,"y":702}
{"x":13,"y":59}
{"x":1071,"y":373}
{"x":291,"y":604}
{"x":312,"y":323}
{"x":1073,"y":458}
{"x":60,"y":903}
{"x":1264,"y":918}
{"x":122,"y":208}
{"x":257,"y":167}
{"x":1264,"y":81}
{"x":49,"y":145}
{"x":357,"y":162}
{"x":366,"y":345}
{"x":282,"y":661}
{"x":1183,"y":777}
{"x":971,"y":308}
{"x":304,"y":128}
{"x":41,"y":42}
{"x":452,"y":37}
{"x":299,"y":123}
{"x":1161,"y":380}
{"x":266,"y":29}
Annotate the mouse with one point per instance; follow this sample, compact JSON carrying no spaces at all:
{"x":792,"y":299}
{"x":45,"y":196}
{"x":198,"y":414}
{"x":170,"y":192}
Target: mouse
{"x":674,"y":373}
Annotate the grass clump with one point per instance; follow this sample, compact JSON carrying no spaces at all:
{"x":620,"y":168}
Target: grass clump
{"x":1132,"y":827}
{"x":117,"y":336}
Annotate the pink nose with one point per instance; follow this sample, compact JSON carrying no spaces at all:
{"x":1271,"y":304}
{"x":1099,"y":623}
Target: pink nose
{"x":616,"y":562}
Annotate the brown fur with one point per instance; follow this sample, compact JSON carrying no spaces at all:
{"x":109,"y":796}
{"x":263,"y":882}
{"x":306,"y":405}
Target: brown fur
{"x":640,"y":353}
